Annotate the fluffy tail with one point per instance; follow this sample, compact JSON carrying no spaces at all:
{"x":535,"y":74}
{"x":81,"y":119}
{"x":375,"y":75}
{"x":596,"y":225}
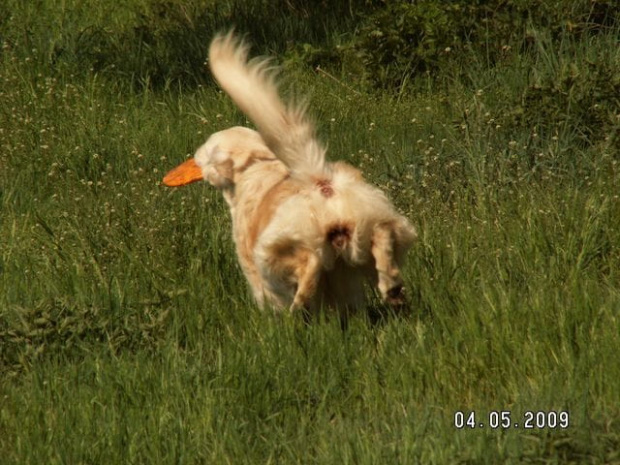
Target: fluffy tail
{"x":251,"y":84}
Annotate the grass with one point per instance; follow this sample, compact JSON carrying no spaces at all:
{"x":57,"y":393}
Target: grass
{"x":128,"y":335}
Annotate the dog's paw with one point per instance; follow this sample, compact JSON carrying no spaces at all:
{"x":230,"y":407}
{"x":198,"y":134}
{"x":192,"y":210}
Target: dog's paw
{"x":299,"y":305}
{"x":395,"y":296}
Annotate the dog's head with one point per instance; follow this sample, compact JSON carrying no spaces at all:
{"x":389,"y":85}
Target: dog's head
{"x":221,"y":160}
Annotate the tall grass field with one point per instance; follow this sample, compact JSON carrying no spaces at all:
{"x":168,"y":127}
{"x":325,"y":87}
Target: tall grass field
{"x":128,"y":334}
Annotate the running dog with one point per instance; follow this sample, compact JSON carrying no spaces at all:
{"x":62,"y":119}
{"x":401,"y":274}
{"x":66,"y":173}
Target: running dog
{"x":308,"y":232}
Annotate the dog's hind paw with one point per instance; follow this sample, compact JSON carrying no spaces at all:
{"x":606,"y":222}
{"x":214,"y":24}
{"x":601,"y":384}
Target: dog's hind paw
{"x":395,"y":296}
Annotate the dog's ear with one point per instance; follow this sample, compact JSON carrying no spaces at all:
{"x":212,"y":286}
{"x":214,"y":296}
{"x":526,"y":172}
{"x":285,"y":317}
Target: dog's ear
{"x":220,"y":174}
{"x":220,"y":169}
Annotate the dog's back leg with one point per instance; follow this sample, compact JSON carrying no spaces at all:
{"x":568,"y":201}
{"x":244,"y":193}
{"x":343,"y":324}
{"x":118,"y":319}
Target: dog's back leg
{"x":291,"y":272}
{"x":389,"y":281}
{"x":308,"y":273}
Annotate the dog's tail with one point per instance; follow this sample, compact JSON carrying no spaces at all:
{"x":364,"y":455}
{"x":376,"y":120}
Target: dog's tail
{"x":252,"y":86}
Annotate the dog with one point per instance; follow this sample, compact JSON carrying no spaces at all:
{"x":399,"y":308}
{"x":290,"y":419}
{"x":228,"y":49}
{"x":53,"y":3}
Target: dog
{"x":308,"y":233}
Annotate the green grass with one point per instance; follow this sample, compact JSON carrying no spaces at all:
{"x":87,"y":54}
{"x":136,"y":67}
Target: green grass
{"x":127,"y":332}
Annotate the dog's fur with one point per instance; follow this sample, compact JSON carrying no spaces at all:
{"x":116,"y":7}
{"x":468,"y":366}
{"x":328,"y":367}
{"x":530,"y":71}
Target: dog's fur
{"x":307,"y":232}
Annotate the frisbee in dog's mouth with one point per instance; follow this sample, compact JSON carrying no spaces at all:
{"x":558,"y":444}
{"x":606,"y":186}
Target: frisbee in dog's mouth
{"x":186,"y":173}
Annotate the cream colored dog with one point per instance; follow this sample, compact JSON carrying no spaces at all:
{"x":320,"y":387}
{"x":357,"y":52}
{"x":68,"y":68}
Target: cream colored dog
{"x":307,"y":232}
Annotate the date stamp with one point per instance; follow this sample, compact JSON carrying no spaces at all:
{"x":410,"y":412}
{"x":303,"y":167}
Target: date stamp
{"x":505,"y":419}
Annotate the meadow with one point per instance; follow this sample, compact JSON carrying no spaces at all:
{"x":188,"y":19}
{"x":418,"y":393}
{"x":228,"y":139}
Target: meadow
{"x":128,"y":334}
